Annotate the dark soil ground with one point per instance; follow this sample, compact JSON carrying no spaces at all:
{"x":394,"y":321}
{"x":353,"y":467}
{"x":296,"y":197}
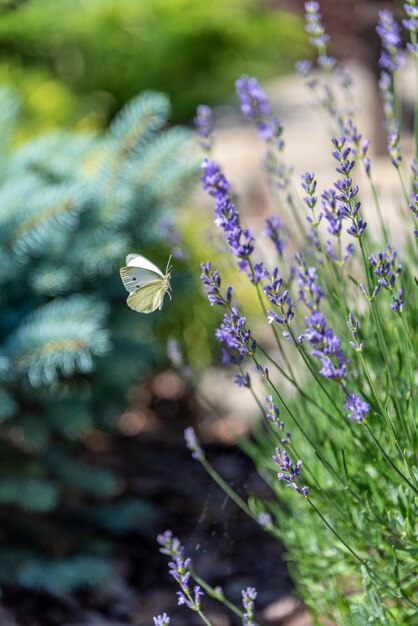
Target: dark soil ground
{"x":227,"y":548}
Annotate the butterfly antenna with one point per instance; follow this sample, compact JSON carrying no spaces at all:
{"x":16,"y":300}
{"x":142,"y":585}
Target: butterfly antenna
{"x":168,"y":268}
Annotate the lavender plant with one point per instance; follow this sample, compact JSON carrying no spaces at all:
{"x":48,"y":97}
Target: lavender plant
{"x":340,"y":374}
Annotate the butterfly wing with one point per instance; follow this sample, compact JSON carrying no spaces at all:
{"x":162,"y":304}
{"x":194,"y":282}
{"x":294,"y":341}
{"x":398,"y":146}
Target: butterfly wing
{"x":148,"y":298}
{"x":137,"y":260}
{"x":135,"y":278}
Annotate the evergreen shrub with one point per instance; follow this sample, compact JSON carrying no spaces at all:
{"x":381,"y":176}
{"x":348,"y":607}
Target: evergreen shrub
{"x":72,"y":205}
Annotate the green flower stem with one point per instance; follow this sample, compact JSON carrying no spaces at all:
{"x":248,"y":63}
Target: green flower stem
{"x":295,"y":211}
{"x":213,"y":593}
{"x":371,"y":571}
{"x":304,"y":395}
{"x":279,"y":343}
{"x":384,"y":348}
{"x":316,"y":377}
{"x":378,"y":208}
{"x":389,"y":460}
{"x":328,"y":466}
{"x":390,"y":425}
{"x":204,"y":618}
{"x":231,"y":493}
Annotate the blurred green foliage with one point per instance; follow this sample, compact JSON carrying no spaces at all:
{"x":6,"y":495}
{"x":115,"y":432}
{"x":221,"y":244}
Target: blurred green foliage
{"x":79,"y":61}
{"x":72,"y":205}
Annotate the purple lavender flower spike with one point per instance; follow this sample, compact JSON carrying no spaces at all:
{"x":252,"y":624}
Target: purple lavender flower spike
{"x":309,"y":185}
{"x":388,"y":97}
{"x":273,"y":411}
{"x":359,"y":148}
{"x":273,"y":227}
{"x":313,"y":26}
{"x":170,"y":545}
{"x":161,"y":620}
{"x":192,"y":602}
{"x":204,"y":126}
{"x":255,"y":106}
{"x":235,"y":337}
{"x":327,"y":346}
{"x":398,"y":302}
{"x":394,"y":147}
{"x":212,"y":284}
{"x":304,"y":68}
{"x":414,"y":204}
{"x":310,"y":292}
{"x":192,"y":444}
{"x":390,"y":34}
{"x":265,"y":520}
{"x":253,"y":100}
{"x":243,"y":380}
{"x":179,"y":569}
{"x":357,"y":408}
{"x":280,"y":299}
{"x":353,"y":325}
{"x":240,"y":240}
{"x":332,"y":211}
{"x":248,"y":597}
{"x":411,"y":24}
{"x":288,"y":472}
{"x":384,"y":266}
{"x":213,"y":181}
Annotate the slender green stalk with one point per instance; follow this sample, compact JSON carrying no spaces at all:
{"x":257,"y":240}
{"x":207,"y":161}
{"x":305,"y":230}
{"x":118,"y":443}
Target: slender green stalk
{"x":389,"y":460}
{"x":328,"y":466}
{"x":371,"y":571}
{"x":378,"y":208}
{"x":213,"y":593}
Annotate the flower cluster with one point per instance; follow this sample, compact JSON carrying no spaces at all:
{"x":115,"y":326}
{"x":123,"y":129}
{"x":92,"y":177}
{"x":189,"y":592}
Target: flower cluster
{"x":310,"y":291}
{"x":212,"y":284}
{"x":411,"y":24}
{"x":327,"y":346}
{"x":193,"y":444}
{"x":309,"y":186}
{"x":414,"y":208}
{"x":237,"y":342}
{"x":255,"y":106}
{"x":348,"y":192}
{"x":389,"y":32}
{"x":314,"y":27}
{"x":357,"y":408}
{"x":204,"y":126}
{"x":273,"y":412}
{"x":248,"y":597}
{"x":384,"y":266}
{"x":289,"y":472}
{"x":179,"y":569}
{"x":353,"y":326}
{"x":162,"y":620}
{"x":359,"y":148}
{"x":240,"y":240}
{"x":332,"y":211}
{"x":280,"y":298}
{"x":273,"y":228}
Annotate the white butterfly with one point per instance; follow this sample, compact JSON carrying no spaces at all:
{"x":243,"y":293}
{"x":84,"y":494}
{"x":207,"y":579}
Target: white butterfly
{"x":147,"y":285}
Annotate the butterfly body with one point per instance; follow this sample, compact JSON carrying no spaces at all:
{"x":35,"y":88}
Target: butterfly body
{"x":145,"y":282}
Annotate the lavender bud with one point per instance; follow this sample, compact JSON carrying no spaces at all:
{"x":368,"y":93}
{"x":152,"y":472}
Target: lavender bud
{"x":193,"y":444}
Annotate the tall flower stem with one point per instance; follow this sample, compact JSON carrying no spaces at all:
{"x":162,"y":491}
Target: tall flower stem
{"x":389,"y":460}
{"x":299,"y":389}
{"x":358,"y":558}
{"x":219,"y":596}
{"x":391,"y":428}
{"x":329,"y":467}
